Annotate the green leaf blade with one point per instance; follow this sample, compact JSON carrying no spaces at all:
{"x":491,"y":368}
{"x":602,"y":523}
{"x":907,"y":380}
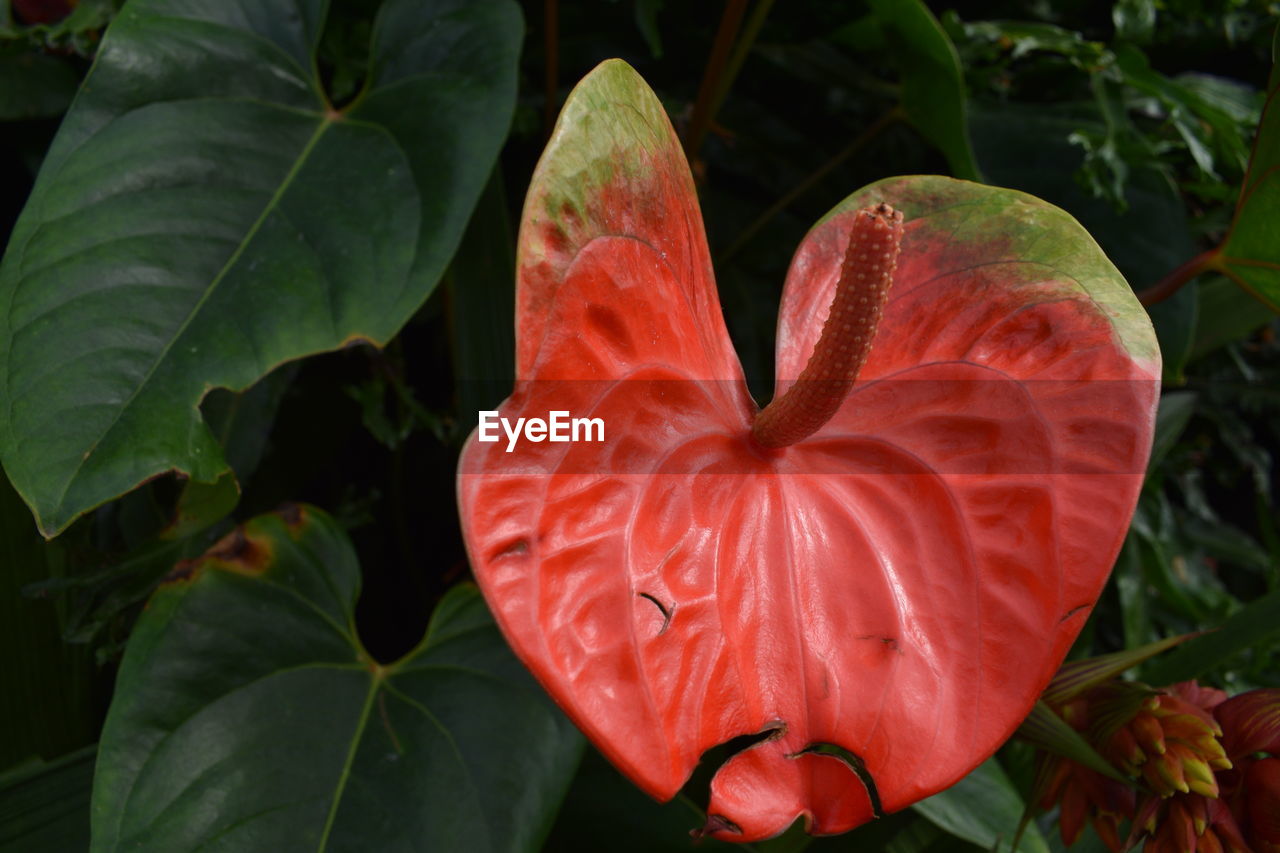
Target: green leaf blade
{"x":1255,"y":626}
{"x":249,"y":718}
{"x":1251,"y":253}
{"x":205,"y":216}
{"x":984,"y":808}
{"x":933,"y":90}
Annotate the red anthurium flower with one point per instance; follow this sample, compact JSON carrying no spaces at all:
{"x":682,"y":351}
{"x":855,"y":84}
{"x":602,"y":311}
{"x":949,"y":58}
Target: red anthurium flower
{"x":1251,"y":737}
{"x":1086,"y":795}
{"x":1262,"y":804}
{"x":1250,"y":723}
{"x":878,"y":575}
{"x":1189,"y":823}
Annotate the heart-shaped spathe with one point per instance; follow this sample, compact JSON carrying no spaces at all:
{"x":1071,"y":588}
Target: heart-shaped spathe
{"x":885,"y":599}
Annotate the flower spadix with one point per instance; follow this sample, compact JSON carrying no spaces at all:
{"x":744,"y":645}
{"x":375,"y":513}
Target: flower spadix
{"x":878,"y":573}
{"x":860,"y":294}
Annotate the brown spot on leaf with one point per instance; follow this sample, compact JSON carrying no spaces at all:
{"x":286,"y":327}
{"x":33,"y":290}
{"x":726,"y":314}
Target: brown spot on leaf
{"x":240,"y":552}
{"x":358,"y":340}
{"x":236,"y":552}
{"x":184,"y":570}
{"x":295,"y":517}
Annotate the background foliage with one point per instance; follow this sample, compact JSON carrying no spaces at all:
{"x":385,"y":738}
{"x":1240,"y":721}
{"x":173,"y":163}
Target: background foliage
{"x":1137,"y":117}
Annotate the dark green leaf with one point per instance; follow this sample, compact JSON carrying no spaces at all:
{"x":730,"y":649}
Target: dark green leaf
{"x":241,"y":422}
{"x":1105,"y":171}
{"x":1131,"y":588}
{"x":1226,"y":542}
{"x":1175,"y":322}
{"x":1134,"y":19}
{"x":933,"y":93}
{"x":1026,"y":147}
{"x":1242,"y":103}
{"x":1175,"y":410}
{"x":205,"y":215}
{"x":904,"y":832}
{"x":46,"y":686}
{"x":101,"y":605}
{"x":35,"y":86}
{"x":919,"y":837}
{"x":1023,"y":38}
{"x":983,"y":808}
{"x":1250,"y":256}
{"x":248,"y":716}
{"x":1256,"y":626}
{"x":201,"y":505}
{"x":44,"y":808}
{"x":1209,"y":132}
{"x":1226,"y":314}
{"x":647,"y":22}
{"x":604,"y":810}
{"x":1184,"y":585}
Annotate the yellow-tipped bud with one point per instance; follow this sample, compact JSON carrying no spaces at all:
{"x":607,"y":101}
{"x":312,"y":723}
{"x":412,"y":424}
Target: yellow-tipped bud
{"x":1148,"y":732}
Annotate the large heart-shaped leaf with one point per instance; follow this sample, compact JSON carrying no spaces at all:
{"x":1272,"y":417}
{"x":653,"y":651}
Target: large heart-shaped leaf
{"x":884,"y":600}
{"x":205,"y":214}
{"x":248,"y":717}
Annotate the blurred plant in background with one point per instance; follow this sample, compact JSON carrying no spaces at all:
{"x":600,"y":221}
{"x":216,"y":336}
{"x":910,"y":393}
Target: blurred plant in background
{"x":1138,"y":117}
{"x":1181,"y":768}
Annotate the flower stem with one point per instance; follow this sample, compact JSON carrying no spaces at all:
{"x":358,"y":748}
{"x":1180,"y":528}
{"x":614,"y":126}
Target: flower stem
{"x":740,"y":50}
{"x":703,"y":108}
{"x":1171,"y":283}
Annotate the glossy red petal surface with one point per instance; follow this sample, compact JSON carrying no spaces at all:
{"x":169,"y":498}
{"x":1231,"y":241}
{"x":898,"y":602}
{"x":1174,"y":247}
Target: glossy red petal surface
{"x":1262,"y":803}
{"x":896,"y":589}
{"x":1250,"y":723}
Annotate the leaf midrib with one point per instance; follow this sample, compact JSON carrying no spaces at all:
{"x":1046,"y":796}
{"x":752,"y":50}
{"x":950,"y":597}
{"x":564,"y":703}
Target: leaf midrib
{"x":286,"y":182}
{"x":357,"y":736}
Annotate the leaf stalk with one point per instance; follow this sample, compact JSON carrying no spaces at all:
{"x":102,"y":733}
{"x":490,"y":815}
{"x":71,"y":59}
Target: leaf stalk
{"x":1171,"y":283}
{"x":708,"y":90}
